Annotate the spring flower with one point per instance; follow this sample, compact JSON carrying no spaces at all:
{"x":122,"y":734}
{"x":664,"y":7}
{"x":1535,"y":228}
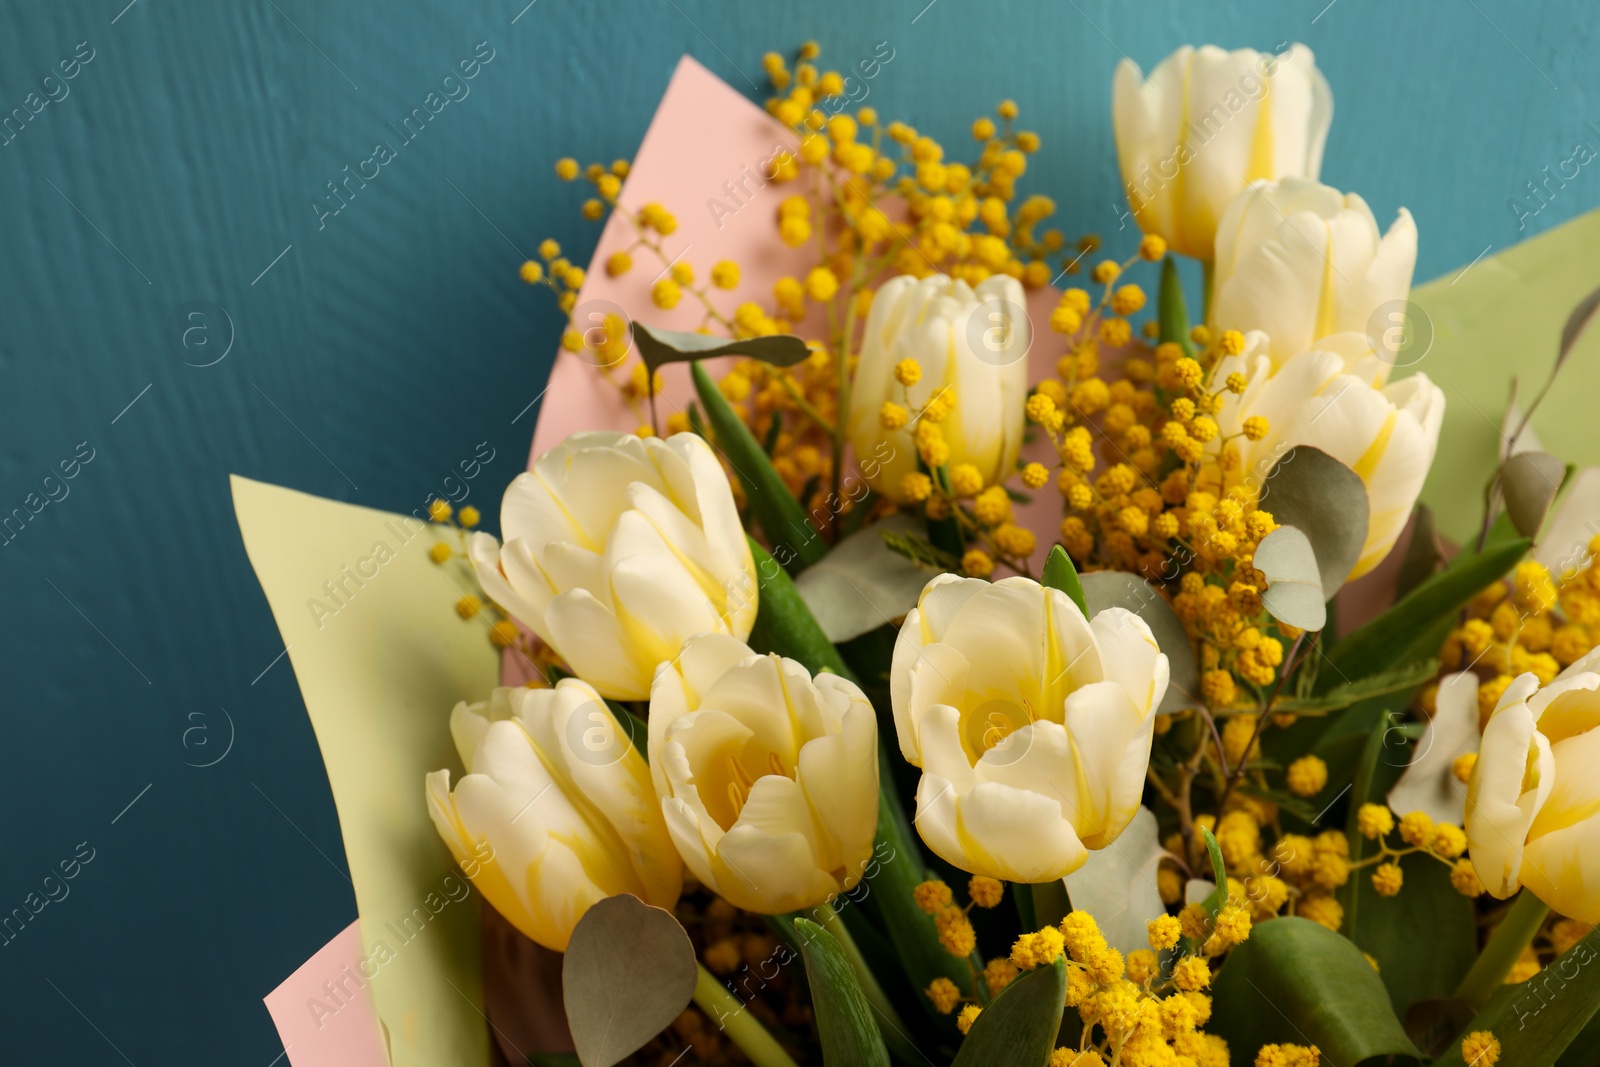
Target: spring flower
{"x":617,"y":550}
{"x":1533,"y":804}
{"x":556,"y":811}
{"x":1387,"y":436}
{"x":768,"y":778}
{"x":1032,"y":724}
{"x":969,"y":344}
{"x":1208,"y":122}
{"x":1301,"y":261}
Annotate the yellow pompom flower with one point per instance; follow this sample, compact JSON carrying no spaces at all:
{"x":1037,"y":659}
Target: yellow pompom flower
{"x":468,"y":606}
{"x":1035,"y":475}
{"x":566,"y":169}
{"x":725,"y":274}
{"x":468,"y":516}
{"x":932,"y":897}
{"x":1152,"y":248}
{"x":1464,"y":879}
{"x":892,"y":416}
{"x":968,"y":1016}
{"x":1480,"y":1049}
{"x":908,"y":372}
{"x":1374,"y":820}
{"x":944,"y":994}
{"x":1306,"y":776}
{"x":984,"y":891}
{"x":821,"y":284}
{"x":1416,"y":828}
{"x":916,"y":487}
{"x":1164,"y":931}
{"x":439,"y":509}
{"x":1037,"y":949}
{"x":531,"y":272}
{"x":665,"y":294}
{"x":1387,"y":879}
{"x":440,"y":552}
{"x":965,"y":480}
{"x":977,"y":563}
{"x":955,"y":932}
{"x":618,"y":263}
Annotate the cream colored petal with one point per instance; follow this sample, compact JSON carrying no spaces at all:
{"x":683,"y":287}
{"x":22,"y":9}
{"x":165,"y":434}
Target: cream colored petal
{"x":1429,"y":783}
{"x":1112,"y":747}
{"x":1131,"y":656}
{"x":1498,"y":811}
{"x":931,"y":675}
{"x":767,"y":862}
{"x":659,"y":606}
{"x":484,"y":552}
{"x":839,"y":775}
{"x":1013,"y":835}
{"x":587,"y":635}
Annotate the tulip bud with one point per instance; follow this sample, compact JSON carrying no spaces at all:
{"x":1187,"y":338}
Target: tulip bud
{"x":1032,"y":724}
{"x":1533,"y":804}
{"x":556,"y":811}
{"x":1206,"y":124}
{"x":618,"y":549}
{"x":971,"y":346}
{"x":1387,"y":436}
{"x":1302,"y":262}
{"x":768,"y":778}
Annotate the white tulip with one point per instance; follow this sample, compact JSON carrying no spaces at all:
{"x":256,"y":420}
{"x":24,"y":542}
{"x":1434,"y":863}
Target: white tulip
{"x":1206,"y":124}
{"x":617,"y":550}
{"x":1533,"y":805}
{"x":768,"y":778}
{"x":556,"y":811}
{"x":1301,"y":262}
{"x":1387,"y":436}
{"x":1032,"y":724}
{"x":973,"y":341}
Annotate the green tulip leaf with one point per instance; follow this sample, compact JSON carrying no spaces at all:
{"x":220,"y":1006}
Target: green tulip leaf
{"x":1387,"y":927}
{"x":1019,"y":1027}
{"x":628,"y":972}
{"x":1219,"y":875}
{"x":1325,"y":500}
{"x":1060,"y":574}
{"x":1119,"y":589}
{"x":1294,"y":579}
{"x":1539,"y":1019}
{"x":1298,"y":982}
{"x":1529,"y":482}
{"x":794,"y":542}
{"x":1172,"y":313}
{"x":660,"y":347}
{"x":845,"y":1024}
{"x":1411,"y":630}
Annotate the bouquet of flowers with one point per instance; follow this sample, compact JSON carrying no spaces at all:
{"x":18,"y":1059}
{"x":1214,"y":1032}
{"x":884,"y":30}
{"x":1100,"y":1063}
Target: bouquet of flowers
{"x":910,"y":660}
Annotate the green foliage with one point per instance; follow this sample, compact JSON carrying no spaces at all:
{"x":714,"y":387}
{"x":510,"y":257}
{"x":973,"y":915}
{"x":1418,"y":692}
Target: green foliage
{"x":1411,"y":630}
{"x":1298,"y":982}
{"x":773,"y":507}
{"x":1019,"y":1028}
{"x":1059,"y":573}
{"x":845,"y":1025}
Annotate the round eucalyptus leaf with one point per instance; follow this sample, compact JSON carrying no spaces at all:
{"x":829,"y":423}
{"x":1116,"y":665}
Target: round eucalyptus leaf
{"x":1327,"y":501}
{"x":1294,"y":585}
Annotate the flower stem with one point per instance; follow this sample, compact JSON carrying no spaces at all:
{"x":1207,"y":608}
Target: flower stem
{"x":1513,"y":935}
{"x":892,"y":1026}
{"x":742,"y":1028}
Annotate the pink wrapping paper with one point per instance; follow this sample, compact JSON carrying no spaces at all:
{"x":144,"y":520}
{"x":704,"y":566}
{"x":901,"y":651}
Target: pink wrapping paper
{"x":324,"y":1012}
{"x":706,"y":146}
